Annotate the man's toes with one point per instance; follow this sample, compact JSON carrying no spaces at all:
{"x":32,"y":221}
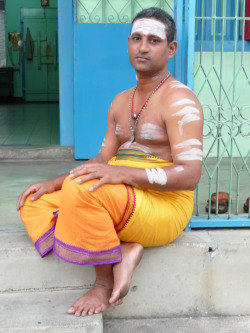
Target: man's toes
{"x":91,"y":311}
{"x":114,"y":297}
{"x":98,"y":309}
{"x":78,"y":313}
{"x":119,"y":302}
{"x":71,"y":310}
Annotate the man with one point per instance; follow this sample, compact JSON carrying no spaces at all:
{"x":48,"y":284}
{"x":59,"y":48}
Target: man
{"x":139,"y":188}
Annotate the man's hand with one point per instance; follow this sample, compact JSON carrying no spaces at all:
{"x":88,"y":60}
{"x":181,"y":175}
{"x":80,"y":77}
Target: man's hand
{"x":107,"y":174}
{"x":38,"y":189}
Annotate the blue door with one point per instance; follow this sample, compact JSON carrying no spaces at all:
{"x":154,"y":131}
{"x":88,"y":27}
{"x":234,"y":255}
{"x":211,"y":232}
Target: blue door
{"x":101,"y":71}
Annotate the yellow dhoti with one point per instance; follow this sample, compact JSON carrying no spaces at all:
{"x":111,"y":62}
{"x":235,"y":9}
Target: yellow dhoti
{"x":84,"y":227}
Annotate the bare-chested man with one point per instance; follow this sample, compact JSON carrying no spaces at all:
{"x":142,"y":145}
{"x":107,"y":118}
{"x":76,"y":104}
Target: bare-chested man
{"x":139,"y":188}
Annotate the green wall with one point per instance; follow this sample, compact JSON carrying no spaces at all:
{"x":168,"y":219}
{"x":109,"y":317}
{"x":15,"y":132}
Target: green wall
{"x":13,"y":24}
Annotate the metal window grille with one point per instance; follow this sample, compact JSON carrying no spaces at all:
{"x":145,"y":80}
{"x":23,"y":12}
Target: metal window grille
{"x":222,"y":84}
{"x":116,"y":11}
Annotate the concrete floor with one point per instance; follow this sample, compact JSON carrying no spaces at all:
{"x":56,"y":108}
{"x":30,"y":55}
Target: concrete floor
{"x":222,"y":324}
{"x":15,"y":178}
{"x":29,"y":124}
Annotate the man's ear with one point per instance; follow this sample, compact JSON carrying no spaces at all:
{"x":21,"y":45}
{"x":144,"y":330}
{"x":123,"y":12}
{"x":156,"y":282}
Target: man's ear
{"x":172,"y":48}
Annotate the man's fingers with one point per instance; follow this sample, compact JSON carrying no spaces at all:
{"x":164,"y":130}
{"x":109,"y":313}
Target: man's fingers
{"x":37,"y":195}
{"x":86,"y":178}
{"x":75,"y":173}
{"x":84,"y":169}
{"x":22,"y":197}
{"x":97,"y":184}
{"x":18,"y":204}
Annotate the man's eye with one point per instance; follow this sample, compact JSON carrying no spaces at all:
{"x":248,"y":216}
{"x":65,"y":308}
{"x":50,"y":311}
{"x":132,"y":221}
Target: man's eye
{"x":154,"y":40}
{"x":136,"y":38}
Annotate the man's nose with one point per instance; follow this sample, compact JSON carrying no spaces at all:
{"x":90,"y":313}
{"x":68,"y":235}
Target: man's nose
{"x":144,"y":47}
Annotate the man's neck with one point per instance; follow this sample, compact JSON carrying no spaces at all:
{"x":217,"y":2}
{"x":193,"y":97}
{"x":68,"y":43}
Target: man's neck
{"x":146,"y":83}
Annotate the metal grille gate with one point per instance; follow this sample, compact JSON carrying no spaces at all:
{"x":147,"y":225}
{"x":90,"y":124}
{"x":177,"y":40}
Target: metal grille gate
{"x":222,"y":84}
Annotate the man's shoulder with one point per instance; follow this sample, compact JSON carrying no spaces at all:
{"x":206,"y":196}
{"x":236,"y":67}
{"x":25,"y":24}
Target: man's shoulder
{"x":177,"y":90}
{"x":122,"y":96}
{"x":124,"y":93}
{"x":176,"y":86}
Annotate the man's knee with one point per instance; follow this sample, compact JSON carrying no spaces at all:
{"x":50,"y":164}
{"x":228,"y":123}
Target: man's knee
{"x":71,"y":186}
{"x":27,"y":206}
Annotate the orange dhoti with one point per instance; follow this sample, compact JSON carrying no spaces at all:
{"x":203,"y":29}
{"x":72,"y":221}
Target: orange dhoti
{"x":85,"y":227}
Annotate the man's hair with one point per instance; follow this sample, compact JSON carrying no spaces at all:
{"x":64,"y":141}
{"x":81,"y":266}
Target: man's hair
{"x":160,"y":15}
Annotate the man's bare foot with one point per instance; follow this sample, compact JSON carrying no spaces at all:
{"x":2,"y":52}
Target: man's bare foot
{"x":123,"y":271}
{"x":96,"y":300}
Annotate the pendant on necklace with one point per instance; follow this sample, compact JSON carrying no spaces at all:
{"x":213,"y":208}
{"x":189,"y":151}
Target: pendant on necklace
{"x":134,"y":116}
{"x":132,"y":138}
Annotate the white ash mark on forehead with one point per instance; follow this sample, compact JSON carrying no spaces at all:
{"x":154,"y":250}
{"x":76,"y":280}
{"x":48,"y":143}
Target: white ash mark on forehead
{"x":148,"y":26}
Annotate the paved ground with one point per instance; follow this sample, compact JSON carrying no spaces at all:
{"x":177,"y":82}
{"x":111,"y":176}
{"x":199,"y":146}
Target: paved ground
{"x":179,"y":325}
{"x":15,"y":178}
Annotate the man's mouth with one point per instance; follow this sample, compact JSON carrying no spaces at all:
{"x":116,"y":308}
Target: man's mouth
{"x":142,"y":57}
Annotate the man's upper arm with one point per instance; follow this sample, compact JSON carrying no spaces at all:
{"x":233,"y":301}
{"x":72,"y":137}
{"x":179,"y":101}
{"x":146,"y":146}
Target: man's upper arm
{"x":110,"y":143}
{"x":184,"y":122}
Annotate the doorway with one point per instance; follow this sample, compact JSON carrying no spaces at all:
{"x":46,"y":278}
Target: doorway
{"x":40,"y":59}
{"x":31,"y":115}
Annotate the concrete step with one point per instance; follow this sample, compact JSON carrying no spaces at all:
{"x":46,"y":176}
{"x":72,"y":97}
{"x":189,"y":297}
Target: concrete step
{"x":178,"y":325}
{"x":51,"y":152}
{"x":22,"y":268}
{"x":202,"y":273}
{"x":44,"y":312}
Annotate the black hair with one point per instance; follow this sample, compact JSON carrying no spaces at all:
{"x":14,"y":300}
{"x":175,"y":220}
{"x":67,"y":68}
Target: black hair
{"x":160,"y":15}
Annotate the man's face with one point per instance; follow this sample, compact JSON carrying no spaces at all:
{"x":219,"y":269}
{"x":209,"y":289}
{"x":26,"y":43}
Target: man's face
{"x":148,"y":48}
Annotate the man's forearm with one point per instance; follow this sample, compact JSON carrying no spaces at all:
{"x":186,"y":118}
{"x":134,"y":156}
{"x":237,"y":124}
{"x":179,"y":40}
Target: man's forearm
{"x":58,"y":181}
{"x":170,"y":178}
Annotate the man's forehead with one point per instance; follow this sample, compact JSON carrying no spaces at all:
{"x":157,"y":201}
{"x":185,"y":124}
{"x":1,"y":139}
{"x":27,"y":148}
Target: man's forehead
{"x":149,"y":26}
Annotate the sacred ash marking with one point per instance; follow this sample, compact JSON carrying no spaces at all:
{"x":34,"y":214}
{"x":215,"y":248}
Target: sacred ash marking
{"x":119,"y":130}
{"x":136,"y":146}
{"x":189,"y":142}
{"x":157,"y":176}
{"x":189,"y":114}
{"x":176,"y":84}
{"x":183,"y":101}
{"x":190,"y":155}
{"x":149,"y":27}
{"x":103,"y":143}
{"x":151,"y":132}
{"x":179,"y":169}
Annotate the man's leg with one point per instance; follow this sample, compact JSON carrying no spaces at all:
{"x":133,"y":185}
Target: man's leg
{"x":96,"y":300}
{"x":123,"y":271}
{"x":112,"y":283}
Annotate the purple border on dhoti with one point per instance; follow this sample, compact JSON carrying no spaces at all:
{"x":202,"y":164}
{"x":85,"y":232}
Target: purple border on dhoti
{"x":79,"y":256}
{"x":44,"y":244}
